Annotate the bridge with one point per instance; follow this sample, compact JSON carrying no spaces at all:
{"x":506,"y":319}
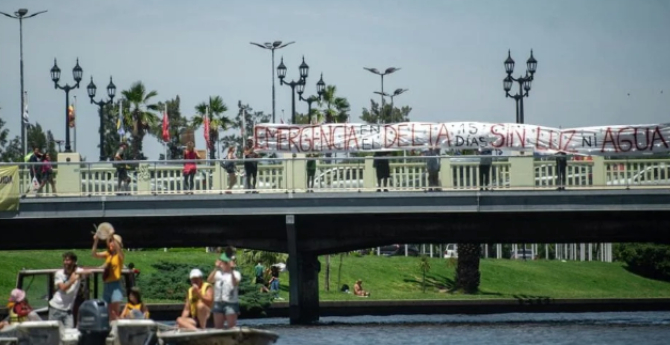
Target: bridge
{"x":610,"y":200}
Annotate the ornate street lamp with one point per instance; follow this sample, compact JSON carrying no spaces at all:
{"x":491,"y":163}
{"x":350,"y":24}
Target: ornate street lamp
{"x":272,"y":47}
{"x":523,"y":81}
{"x":21,"y":15}
{"x":111,"y":92}
{"x":320,"y":89}
{"x":77,"y":73}
{"x":300,"y":84}
{"x":397,"y":92}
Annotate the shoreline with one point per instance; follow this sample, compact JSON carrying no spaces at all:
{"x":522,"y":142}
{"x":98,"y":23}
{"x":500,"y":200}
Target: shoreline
{"x":170,"y":311}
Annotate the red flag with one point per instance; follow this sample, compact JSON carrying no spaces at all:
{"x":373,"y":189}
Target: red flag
{"x":166,"y":123}
{"x":209,"y":144}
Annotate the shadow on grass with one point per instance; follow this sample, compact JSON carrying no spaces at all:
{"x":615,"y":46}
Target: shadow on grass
{"x":647,"y":273}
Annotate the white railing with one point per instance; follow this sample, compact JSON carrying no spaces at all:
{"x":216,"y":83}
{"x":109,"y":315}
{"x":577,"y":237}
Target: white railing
{"x":351,"y":174}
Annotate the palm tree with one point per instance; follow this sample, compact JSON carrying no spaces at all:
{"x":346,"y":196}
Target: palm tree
{"x":141,"y":114}
{"x":337,"y":108}
{"x":217,"y":120}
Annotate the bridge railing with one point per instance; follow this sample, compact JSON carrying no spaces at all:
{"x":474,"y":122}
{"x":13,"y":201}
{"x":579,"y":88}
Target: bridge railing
{"x":306,"y":174}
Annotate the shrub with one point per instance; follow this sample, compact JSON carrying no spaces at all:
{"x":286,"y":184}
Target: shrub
{"x":647,"y":259}
{"x":170,"y":282}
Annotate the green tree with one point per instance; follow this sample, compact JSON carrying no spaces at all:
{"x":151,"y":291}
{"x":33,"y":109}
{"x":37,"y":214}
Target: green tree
{"x":141,"y":117}
{"x":251,"y":118}
{"x":44,"y":141}
{"x":10,"y":150}
{"x":111,"y":133}
{"x":217,"y":120}
{"x":424,"y":266}
{"x":336,"y":108}
{"x":373,"y":115}
{"x":650,"y":260}
{"x":176,"y":124}
{"x":467,"y":269}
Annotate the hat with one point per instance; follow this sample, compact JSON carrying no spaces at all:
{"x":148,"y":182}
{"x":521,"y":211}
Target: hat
{"x":224,"y":258}
{"x":118,"y":238}
{"x":195,"y":273}
{"x":104,"y":230}
{"x":250,"y":138}
{"x":17,"y":296}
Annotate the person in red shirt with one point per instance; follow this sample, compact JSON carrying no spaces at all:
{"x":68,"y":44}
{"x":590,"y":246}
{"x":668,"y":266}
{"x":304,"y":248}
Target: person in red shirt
{"x":189,"y":167}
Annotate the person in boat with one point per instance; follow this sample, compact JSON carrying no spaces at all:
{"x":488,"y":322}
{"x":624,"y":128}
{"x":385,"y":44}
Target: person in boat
{"x":198,"y":304}
{"x":226,"y":288}
{"x":358,"y":289}
{"x":135,"y":309}
{"x":19,"y":309}
{"x":66,"y":282}
{"x":111,"y":275}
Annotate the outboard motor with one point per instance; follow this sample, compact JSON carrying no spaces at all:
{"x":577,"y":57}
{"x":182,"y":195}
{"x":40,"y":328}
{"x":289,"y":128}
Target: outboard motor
{"x":93,"y":323}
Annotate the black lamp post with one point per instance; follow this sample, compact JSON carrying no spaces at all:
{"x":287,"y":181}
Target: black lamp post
{"x":304,"y":71}
{"x":320,"y":89}
{"x":397,"y":92}
{"x":77,"y":73}
{"x":21,"y":15}
{"x":524,"y":82}
{"x":111,"y":92}
{"x":382,"y":74}
{"x":272,"y":46}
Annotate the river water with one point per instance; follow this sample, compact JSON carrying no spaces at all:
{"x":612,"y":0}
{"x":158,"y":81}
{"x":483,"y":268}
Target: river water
{"x":639,"y":328}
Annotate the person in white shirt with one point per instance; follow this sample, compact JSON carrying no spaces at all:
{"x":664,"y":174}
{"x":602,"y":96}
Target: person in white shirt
{"x":67,"y":283}
{"x":226,"y":282}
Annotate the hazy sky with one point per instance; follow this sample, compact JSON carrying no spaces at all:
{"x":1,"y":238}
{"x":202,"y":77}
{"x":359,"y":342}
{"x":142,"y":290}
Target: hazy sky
{"x":591,"y":54}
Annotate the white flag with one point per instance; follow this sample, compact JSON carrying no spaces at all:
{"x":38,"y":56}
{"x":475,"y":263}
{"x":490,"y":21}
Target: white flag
{"x":26,"y":118}
{"x":119,"y":121}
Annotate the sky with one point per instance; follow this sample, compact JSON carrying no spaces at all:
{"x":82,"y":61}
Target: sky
{"x":600,"y":62}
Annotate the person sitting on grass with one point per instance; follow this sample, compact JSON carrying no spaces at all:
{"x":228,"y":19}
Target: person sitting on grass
{"x":198,"y":304}
{"x":358,"y":289}
{"x":135,"y":309}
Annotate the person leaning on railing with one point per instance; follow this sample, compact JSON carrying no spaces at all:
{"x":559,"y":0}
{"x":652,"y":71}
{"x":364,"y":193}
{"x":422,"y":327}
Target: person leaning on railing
{"x":230,"y":168}
{"x":311,"y":171}
{"x":122,"y":168}
{"x":250,"y":167}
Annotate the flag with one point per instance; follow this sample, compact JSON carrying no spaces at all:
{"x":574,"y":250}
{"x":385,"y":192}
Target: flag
{"x":119,"y":121}
{"x":26,"y":118}
{"x":166,"y":123}
{"x":206,"y":122}
{"x":70,"y":115}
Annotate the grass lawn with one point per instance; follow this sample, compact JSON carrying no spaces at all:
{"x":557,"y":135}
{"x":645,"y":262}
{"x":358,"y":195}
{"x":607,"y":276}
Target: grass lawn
{"x":400,"y":277}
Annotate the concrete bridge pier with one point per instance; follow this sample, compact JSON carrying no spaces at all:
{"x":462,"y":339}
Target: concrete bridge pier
{"x":303,"y":270}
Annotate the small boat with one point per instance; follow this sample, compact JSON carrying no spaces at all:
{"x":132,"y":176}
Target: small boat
{"x":233,"y":336}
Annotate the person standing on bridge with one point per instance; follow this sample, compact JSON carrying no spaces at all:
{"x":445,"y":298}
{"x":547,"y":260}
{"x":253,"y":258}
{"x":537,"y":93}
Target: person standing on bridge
{"x":189,"y":167}
{"x":122,"y":168}
{"x":485,"y":163}
{"x":231,"y":168}
{"x":561,"y":166}
{"x":383,"y":168}
{"x":250,"y":167}
{"x":111,"y":276}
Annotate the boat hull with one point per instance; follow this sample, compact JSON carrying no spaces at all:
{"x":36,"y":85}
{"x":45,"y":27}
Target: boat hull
{"x":236,"y":336}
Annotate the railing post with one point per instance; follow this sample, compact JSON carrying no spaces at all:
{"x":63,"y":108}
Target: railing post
{"x":144,"y":178}
{"x":369,"y":174}
{"x":68,"y":179}
{"x":299,"y":172}
{"x":599,"y":171}
{"x":217,"y":178}
{"x":445,"y":175}
{"x":288,"y":171}
{"x":522,"y":172}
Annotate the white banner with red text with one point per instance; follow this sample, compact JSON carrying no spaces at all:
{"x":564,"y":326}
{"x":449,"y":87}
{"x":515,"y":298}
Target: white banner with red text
{"x":352,"y":137}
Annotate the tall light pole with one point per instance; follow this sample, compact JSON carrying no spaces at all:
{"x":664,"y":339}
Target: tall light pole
{"x":272,"y":47}
{"x":304,"y":71}
{"x":77,"y":73}
{"x":21,"y":15}
{"x":397,"y":92}
{"x":524,"y":82}
{"x":382,"y":74}
{"x":111,"y":92}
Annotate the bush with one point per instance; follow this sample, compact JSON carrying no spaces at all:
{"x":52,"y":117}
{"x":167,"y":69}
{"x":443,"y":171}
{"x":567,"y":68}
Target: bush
{"x":647,"y":259}
{"x":170,"y":282}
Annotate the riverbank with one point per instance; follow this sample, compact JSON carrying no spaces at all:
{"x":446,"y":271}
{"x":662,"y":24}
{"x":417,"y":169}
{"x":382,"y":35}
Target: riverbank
{"x":400,"y":278}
